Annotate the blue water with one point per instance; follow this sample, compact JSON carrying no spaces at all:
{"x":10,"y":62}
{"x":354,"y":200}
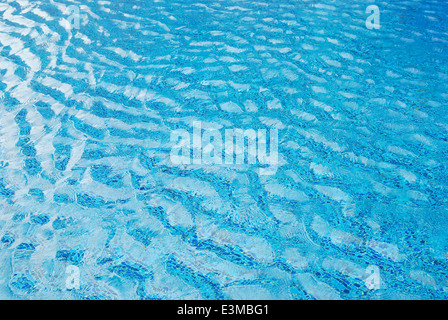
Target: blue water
{"x":85,"y":124}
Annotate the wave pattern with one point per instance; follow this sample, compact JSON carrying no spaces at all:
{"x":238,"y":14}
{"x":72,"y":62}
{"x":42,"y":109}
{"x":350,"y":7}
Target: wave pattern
{"x":86,"y":118}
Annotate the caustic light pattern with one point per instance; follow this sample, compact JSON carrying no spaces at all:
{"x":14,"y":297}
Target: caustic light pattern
{"x":91,"y":207}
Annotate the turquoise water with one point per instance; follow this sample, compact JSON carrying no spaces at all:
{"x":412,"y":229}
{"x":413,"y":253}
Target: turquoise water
{"x":86,"y":181}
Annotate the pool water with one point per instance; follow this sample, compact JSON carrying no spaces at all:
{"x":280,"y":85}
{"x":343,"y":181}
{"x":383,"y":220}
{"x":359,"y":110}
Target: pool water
{"x":91,"y":207}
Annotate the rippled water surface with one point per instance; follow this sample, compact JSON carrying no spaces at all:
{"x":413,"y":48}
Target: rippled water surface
{"x":85,"y":175}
